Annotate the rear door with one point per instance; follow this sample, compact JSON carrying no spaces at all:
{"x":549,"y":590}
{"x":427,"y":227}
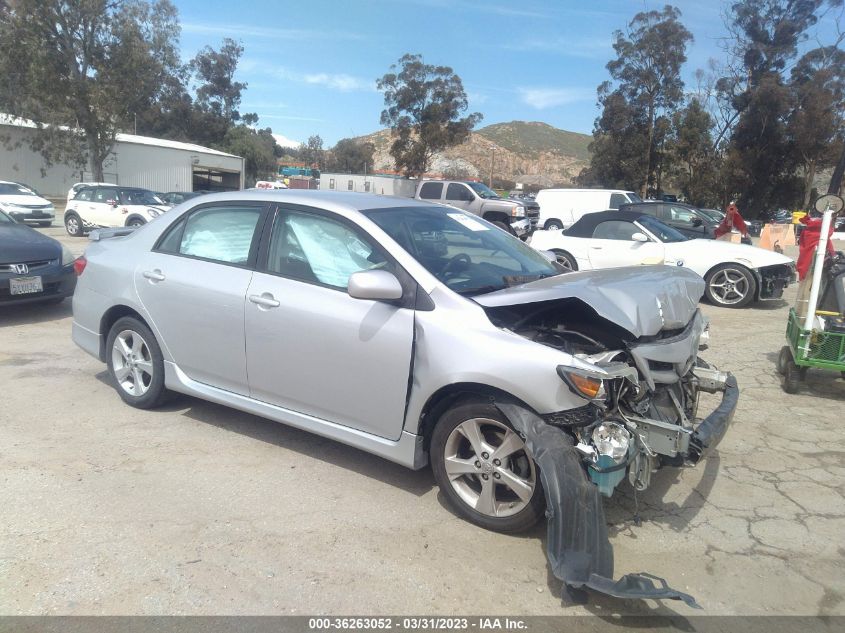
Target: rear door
{"x":312,"y":348}
{"x":193,"y":286}
{"x":612,"y":246}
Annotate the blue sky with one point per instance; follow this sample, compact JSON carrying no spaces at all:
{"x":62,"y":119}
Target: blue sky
{"x":311,"y":66}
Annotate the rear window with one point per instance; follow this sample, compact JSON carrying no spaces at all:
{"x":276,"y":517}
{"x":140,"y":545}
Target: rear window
{"x":431,"y":190}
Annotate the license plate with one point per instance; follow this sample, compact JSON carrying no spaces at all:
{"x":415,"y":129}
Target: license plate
{"x":25,"y":285}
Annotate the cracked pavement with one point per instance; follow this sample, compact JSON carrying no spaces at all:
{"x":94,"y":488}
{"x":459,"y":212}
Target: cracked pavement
{"x":198,"y":509}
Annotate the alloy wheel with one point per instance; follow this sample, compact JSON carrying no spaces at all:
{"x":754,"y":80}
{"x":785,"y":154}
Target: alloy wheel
{"x":132,"y":363}
{"x":489,"y":468}
{"x":72,"y":225}
{"x":729,"y":286}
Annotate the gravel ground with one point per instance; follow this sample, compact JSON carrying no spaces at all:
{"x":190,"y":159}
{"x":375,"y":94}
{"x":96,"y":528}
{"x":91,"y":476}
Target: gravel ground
{"x":198,"y":509}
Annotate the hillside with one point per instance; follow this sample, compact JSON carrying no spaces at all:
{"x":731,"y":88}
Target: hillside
{"x":528,"y":152}
{"x":532,"y":137}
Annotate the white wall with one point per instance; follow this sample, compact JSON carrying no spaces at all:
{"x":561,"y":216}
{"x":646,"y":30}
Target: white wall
{"x":132,"y":164}
{"x":382,"y":185}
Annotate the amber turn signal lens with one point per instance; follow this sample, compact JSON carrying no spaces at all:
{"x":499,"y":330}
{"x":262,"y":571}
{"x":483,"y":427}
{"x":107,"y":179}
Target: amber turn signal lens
{"x":589,"y":387}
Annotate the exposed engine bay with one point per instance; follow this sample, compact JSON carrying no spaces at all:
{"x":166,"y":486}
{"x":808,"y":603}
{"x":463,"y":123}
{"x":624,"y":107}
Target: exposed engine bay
{"x":642,"y":393}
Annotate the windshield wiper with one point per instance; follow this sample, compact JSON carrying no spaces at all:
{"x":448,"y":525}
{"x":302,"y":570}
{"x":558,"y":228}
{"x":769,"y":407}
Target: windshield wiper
{"x":480,"y":290}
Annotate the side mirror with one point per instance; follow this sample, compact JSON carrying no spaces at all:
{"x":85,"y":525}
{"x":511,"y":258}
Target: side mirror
{"x":697,"y":222}
{"x":375,"y":285}
{"x":639,"y":237}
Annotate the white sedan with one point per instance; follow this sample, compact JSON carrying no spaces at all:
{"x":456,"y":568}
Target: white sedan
{"x":735,"y":274}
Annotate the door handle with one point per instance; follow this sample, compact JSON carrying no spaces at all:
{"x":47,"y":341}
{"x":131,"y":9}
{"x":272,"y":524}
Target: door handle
{"x":596,"y":248}
{"x":154,"y":275}
{"x":264,"y":300}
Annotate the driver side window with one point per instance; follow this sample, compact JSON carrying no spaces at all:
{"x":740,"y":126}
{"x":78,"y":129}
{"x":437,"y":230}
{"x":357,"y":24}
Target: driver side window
{"x":615,"y":230}
{"x":320,"y":250}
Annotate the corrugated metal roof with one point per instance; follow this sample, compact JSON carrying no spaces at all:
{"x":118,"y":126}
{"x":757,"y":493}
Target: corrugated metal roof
{"x":12,"y":121}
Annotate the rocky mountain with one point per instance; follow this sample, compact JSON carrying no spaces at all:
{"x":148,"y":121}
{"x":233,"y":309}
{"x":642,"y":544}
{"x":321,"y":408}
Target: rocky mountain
{"x":522,"y":151}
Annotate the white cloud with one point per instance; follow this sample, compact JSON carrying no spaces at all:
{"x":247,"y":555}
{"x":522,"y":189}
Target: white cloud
{"x":335,"y":81}
{"x":585,"y":47}
{"x":243,"y":30}
{"x":284,"y":141}
{"x":543,"y":98}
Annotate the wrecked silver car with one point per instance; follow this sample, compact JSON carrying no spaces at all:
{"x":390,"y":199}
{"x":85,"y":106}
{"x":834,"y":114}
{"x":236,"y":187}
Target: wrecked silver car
{"x":424,"y":335}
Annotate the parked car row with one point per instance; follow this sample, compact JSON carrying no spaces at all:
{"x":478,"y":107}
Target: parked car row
{"x":25,"y":205}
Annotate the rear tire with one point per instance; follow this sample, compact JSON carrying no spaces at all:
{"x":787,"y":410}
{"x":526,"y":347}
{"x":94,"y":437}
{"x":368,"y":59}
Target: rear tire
{"x":565,"y":259}
{"x":553,"y":225}
{"x":784,"y":357}
{"x":792,"y":377}
{"x":135,"y":363}
{"x":484,"y":470}
{"x":73,"y":225}
{"x":135,"y":223}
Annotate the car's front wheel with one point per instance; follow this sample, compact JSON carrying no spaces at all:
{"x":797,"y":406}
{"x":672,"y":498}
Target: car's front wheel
{"x":135,"y":363}
{"x":484,"y":469}
{"x":565,"y":259}
{"x":730,"y":286}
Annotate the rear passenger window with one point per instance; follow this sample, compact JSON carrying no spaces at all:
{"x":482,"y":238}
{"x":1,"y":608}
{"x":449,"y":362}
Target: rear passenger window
{"x":458,"y":192}
{"x":617,"y":199}
{"x":431,"y":190}
{"x":84,"y":195}
{"x":219,"y":234}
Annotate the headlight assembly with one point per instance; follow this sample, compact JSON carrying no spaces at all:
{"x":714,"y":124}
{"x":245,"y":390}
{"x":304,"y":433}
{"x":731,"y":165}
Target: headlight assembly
{"x":612,"y":439}
{"x":518,"y":212}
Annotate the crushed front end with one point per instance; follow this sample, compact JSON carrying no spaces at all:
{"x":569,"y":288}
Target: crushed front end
{"x":642,"y":410}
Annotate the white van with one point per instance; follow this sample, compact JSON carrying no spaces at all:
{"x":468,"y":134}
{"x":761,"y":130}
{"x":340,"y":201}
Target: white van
{"x":560,"y":208}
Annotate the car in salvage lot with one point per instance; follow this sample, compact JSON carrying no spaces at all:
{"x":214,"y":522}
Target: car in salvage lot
{"x":25,"y":205}
{"x":33,"y":267}
{"x":734,"y":274}
{"x":424,"y":335}
{"x":111,"y":206}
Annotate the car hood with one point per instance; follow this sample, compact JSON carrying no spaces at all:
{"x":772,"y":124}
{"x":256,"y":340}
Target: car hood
{"x":19,"y":244}
{"x":728,"y":251}
{"x":641,"y":299}
{"x":27,"y":201}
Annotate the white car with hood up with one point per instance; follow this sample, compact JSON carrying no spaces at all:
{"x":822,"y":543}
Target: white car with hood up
{"x":735,"y":274}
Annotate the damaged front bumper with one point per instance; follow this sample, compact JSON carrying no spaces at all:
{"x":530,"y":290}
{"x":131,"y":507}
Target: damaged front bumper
{"x":773,"y":280}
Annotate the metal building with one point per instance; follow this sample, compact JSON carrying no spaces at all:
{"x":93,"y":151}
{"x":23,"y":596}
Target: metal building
{"x":382,"y":185}
{"x":136,"y":161}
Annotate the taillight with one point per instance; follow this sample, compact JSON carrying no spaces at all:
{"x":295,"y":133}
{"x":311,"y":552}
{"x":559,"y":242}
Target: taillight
{"x":79,"y":265}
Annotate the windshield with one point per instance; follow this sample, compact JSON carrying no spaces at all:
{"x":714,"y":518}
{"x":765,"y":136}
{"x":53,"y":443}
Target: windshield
{"x":634,"y":197}
{"x":483,"y":190}
{"x":467,"y":254}
{"x":140,"y":196}
{"x":664,"y":233}
{"x":712,"y":214}
{"x":13,"y":189}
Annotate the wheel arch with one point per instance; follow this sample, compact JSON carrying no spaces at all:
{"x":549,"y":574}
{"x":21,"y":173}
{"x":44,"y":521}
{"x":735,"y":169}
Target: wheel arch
{"x":496,"y":216}
{"x":447,"y":396}
{"x":110,"y":317}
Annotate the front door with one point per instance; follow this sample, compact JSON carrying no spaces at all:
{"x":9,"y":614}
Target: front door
{"x":459,"y":195}
{"x":193,"y":286}
{"x":310,"y":346}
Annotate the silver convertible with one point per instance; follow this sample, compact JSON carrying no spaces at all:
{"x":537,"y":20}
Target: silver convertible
{"x":422,"y":334}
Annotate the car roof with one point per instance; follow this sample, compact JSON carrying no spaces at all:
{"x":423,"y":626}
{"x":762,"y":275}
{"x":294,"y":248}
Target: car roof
{"x":588,"y":222}
{"x":341,"y":202}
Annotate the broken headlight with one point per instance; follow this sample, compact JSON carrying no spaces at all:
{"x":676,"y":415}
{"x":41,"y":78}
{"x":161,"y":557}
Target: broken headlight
{"x":612,"y":439}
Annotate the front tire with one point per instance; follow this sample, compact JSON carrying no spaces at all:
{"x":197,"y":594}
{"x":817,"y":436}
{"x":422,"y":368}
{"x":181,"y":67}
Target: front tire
{"x":792,"y":377}
{"x":135,"y":363}
{"x":730,"y":286}
{"x":784,"y":358}
{"x":483,"y":469}
{"x":505,"y":227}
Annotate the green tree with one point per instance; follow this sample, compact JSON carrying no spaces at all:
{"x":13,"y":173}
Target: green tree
{"x":258,"y":149}
{"x":816,"y":125}
{"x":423,"y":108}
{"x":761,"y":159}
{"x":349,"y":156}
{"x":619,"y":146}
{"x":80,"y":69}
{"x":649,"y":56}
{"x":311,"y":152}
{"x":693,"y":156}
